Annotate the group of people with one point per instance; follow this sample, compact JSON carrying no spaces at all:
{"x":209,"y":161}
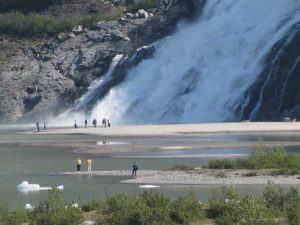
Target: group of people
{"x":89,"y":164}
{"x":105,"y":123}
{"x":38,"y":126}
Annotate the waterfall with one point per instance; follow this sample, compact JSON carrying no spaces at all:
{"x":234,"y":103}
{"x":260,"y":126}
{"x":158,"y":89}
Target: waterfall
{"x":96,"y":86}
{"x":201,"y":73}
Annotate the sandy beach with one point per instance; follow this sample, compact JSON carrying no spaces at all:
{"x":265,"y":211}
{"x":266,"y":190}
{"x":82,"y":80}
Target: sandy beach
{"x":141,"y":138}
{"x":183,"y":129}
{"x":195,"y":177}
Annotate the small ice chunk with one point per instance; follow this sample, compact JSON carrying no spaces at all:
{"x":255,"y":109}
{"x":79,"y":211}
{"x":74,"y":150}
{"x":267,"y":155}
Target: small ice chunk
{"x":148,"y":186}
{"x":25,"y":186}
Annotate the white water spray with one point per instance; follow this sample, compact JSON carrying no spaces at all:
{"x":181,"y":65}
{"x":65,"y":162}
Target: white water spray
{"x":201,"y":73}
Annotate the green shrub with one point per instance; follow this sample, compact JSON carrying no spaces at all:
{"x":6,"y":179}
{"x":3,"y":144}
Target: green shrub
{"x":187,"y":209}
{"x":8,"y":217}
{"x":221,"y":164}
{"x":262,"y":158}
{"x":54,"y":211}
{"x":148,"y":208}
{"x":233,"y":208}
{"x":182,"y":168}
{"x":141,"y":4}
{"x":92,"y":205}
{"x":14,"y":5}
{"x":33,"y":24}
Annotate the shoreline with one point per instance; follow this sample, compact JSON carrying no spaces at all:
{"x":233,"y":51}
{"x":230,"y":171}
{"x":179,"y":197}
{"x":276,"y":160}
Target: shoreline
{"x":195,"y":177}
{"x":178,"y":129}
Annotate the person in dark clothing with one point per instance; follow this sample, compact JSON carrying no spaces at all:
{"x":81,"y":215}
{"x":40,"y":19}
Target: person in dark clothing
{"x":134,"y":169}
{"x":95,"y":123}
{"x":45,"y":125}
{"x":104,"y":122}
{"x":85,"y":123}
{"x":38,"y":126}
{"x":108,"y":123}
{"x":75,"y":125}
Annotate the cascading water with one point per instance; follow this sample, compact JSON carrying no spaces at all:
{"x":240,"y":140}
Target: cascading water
{"x":96,"y":86}
{"x":201,"y":73}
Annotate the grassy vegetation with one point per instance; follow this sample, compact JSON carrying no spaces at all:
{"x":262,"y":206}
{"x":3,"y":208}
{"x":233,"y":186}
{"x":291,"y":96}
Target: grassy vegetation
{"x":16,"y":5}
{"x":141,"y":4}
{"x":262,"y":158}
{"x":15,"y":22}
{"x":182,"y":168}
{"x":225,"y":207}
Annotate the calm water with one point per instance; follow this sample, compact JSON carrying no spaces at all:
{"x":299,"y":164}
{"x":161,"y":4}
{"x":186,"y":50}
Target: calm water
{"x":19,"y":162}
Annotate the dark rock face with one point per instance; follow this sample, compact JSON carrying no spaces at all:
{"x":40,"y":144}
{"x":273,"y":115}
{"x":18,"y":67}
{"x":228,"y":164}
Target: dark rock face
{"x":276,"y":93}
{"x":47,"y":78}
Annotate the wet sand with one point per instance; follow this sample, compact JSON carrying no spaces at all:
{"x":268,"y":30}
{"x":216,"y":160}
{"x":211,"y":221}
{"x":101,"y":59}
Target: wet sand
{"x":141,"y":138}
{"x":196,"y":177}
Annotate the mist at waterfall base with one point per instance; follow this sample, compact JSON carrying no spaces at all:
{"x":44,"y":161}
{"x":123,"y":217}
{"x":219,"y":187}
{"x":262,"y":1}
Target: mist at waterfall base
{"x":201,"y":73}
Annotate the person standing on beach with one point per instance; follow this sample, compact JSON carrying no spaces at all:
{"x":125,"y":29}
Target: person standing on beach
{"x":38,"y":126}
{"x":89,"y":163}
{"x":78,"y":164}
{"x":108,"y":123}
{"x":134,"y":169}
{"x":75,"y":125}
{"x":45,"y":125}
{"x":104,"y":122}
{"x":85,"y":123}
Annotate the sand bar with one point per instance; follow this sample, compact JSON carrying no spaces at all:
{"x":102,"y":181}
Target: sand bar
{"x":179,"y":129}
{"x":196,"y":177}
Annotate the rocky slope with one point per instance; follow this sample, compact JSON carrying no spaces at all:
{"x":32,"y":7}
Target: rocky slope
{"x":45,"y":77}
{"x":276,"y":93}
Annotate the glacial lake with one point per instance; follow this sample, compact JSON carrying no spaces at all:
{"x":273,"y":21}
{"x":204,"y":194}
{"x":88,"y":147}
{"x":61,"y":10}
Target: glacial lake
{"x":36,"y":164}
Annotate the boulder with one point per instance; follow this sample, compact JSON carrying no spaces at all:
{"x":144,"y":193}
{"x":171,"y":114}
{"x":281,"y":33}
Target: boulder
{"x":129,"y":16}
{"x":71,"y":35}
{"x":77,"y":29}
{"x":143,"y":13}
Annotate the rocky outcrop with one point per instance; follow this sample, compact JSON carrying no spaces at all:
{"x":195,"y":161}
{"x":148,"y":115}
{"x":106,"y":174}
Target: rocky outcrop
{"x":276,"y":93}
{"x":47,"y":78}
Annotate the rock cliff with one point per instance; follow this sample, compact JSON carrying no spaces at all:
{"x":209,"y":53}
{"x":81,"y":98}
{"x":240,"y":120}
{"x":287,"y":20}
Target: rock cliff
{"x":45,"y":77}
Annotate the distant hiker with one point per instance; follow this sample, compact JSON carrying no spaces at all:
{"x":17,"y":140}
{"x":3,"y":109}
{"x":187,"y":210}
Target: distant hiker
{"x":38,"y":126}
{"x":104,"y":122}
{"x":85,"y":123}
{"x":45,"y":125}
{"x":134,"y":169}
{"x":108,"y":123}
{"x":89,"y":163}
{"x":94,"y":122}
{"x":78,"y":164}
{"x":75,"y":125}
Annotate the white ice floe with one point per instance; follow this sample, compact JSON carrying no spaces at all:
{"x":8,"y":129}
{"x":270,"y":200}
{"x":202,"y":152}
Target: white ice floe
{"x":29,"y":207}
{"x":27,"y":187}
{"x":148,"y":186}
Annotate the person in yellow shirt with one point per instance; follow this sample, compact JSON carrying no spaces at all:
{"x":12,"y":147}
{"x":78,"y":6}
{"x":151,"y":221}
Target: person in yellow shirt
{"x":89,"y":163}
{"x":78,"y":163}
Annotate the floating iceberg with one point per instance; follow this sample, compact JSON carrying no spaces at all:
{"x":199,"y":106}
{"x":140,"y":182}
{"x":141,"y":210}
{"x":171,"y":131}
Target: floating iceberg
{"x":148,"y":186}
{"x":27,"y":187}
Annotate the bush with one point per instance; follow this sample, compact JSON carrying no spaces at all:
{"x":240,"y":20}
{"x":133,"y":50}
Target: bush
{"x":141,"y":4}
{"x":33,"y":24}
{"x":221,"y":164}
{"x":151,"y":208}
{"x":232,"y":208}
{"x":187,"y":209}
{"x":54,"y":211}
{"x":261,"y":158}
{"x":182,"y":168}
{"x":38,"y":25}
{"x":92,"y":205}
